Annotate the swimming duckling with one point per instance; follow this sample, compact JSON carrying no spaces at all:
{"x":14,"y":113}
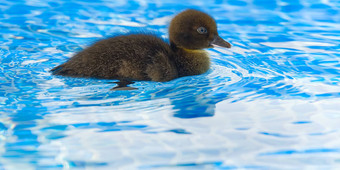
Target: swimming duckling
{"x":146,"y":57}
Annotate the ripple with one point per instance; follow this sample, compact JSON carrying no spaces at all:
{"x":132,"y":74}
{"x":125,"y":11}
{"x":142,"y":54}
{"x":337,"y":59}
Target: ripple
{"x":307,"y":47}
{"x":309,"y":151}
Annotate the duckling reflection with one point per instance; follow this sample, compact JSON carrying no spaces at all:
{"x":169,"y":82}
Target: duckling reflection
{"x":138,"y":57}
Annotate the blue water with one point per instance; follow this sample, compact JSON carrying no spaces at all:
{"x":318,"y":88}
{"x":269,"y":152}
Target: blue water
{"x":272,"y":101}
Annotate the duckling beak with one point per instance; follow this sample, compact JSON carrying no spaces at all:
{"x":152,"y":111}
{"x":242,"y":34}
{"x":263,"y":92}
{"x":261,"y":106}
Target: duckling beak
{"x":219,"y":42}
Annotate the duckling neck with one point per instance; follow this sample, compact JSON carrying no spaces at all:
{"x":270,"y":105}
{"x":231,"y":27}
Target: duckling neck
{"x":191,"y":62}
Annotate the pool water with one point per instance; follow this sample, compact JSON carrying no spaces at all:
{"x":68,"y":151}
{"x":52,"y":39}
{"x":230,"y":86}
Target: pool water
{"x":272,"y":101}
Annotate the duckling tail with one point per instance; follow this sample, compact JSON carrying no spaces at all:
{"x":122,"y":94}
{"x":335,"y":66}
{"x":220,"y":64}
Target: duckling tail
{"x":58,"y":70}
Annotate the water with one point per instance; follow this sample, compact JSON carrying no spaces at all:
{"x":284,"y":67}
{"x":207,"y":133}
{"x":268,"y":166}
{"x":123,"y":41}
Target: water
{"x":270,"y":102}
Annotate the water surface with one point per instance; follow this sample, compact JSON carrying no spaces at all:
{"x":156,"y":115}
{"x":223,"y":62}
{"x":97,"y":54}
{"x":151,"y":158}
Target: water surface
{"x":270,"y":102}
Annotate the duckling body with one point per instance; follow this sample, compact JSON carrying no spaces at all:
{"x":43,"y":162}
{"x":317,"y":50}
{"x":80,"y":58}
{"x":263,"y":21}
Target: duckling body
{"x":147,"y":57}
{"x":127,"y":57}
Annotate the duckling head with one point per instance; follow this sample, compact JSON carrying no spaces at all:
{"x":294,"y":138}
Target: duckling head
{"x":194,"y":30}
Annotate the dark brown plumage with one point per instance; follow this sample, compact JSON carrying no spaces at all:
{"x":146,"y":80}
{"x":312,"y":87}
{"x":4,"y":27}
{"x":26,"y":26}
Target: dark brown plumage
{"x":147,"y":57}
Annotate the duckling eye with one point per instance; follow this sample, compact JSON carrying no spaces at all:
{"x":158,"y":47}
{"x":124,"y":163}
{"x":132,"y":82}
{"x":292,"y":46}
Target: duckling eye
{"x":202,"y":30}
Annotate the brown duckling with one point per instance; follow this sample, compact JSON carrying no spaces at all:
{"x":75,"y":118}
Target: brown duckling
{"x":146,"y":57}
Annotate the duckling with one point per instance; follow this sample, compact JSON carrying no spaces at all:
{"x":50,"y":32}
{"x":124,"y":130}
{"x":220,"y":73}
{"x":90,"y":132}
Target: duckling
{"x":138,"y":57}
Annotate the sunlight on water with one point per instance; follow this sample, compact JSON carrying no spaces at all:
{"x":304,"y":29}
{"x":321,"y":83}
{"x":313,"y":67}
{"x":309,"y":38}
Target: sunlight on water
{"x":270,"y":102}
